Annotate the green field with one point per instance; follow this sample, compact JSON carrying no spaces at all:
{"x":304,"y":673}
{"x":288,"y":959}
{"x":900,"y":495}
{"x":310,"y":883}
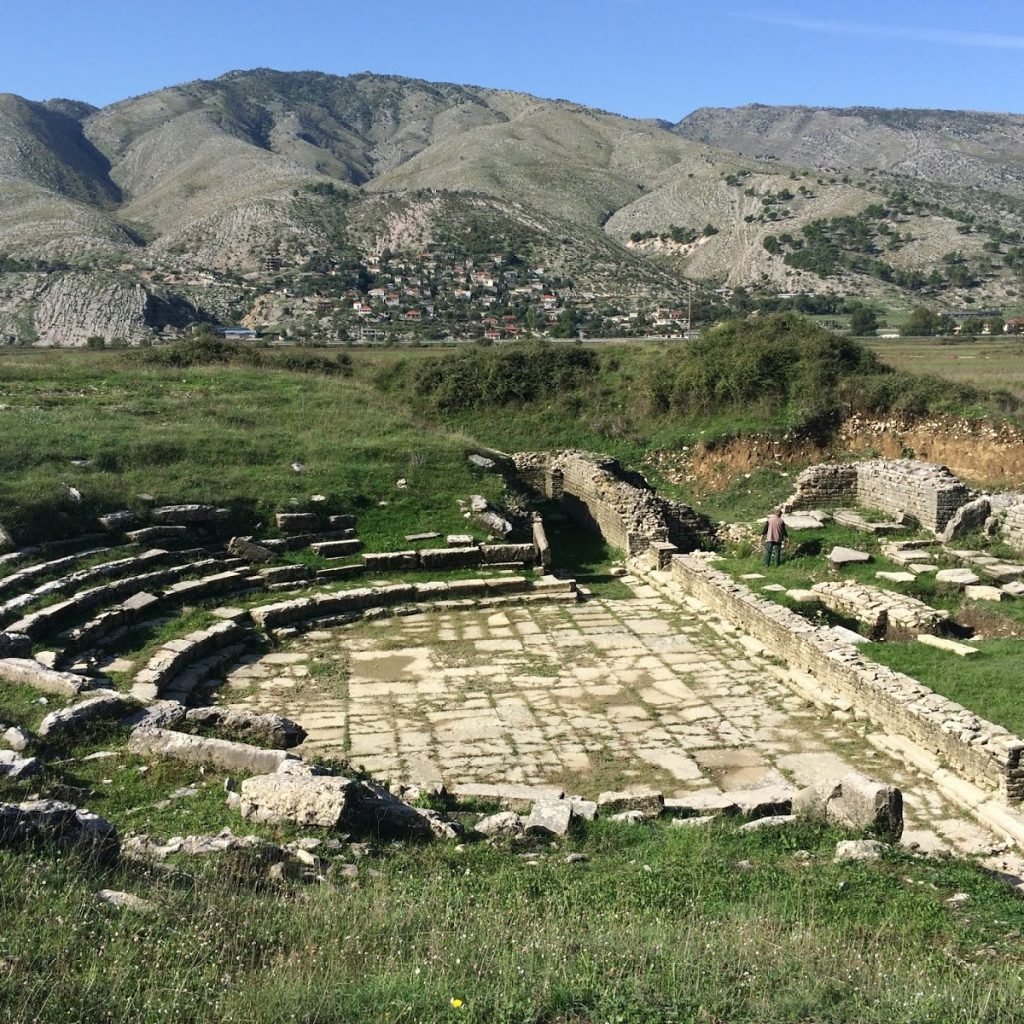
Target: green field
{"x":984,"y":363}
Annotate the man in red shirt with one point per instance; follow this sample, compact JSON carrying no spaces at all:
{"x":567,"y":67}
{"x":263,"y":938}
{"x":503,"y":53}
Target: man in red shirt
{"x":774,"y":534}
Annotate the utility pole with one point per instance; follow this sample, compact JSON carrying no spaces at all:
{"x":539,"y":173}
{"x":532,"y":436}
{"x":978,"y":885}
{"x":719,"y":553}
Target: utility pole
{"x":689,"y":314}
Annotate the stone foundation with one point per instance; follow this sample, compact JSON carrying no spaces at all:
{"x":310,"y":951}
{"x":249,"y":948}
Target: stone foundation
{"x":928,"y":493}
{"x":597,"y":492}
{"x":986,"y":753}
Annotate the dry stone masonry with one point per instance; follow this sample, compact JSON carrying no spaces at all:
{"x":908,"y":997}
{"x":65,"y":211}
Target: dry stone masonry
{"x":626,"y":511}
{"x":928,"y":493}
{"x":883,"y":612}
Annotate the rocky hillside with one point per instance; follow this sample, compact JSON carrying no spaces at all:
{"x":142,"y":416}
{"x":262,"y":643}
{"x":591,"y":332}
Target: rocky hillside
{"x":222,"y":200}
{"x":952,"y":147}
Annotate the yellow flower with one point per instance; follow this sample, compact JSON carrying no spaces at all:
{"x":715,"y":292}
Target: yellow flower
{"x":456,"y":1003}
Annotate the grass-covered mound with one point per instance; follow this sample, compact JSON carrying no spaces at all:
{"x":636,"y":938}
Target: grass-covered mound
{"x":118,"y":425}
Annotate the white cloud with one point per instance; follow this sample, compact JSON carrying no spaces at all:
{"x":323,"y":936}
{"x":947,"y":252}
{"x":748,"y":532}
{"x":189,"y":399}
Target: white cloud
{"x":948,"y":37}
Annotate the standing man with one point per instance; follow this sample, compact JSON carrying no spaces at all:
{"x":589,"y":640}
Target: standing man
{"x":774,"y":534}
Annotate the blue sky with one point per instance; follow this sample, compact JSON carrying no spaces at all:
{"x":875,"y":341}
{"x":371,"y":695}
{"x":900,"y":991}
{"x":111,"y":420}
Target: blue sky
{"x":644,"y":58}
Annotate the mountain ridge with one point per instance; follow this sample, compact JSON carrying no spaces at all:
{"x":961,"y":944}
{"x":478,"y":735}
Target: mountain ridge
{"x":191,"y":192}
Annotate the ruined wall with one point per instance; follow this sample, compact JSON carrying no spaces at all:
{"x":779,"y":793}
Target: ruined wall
{"x":597,"y":492}
{"x":1012,"y":528}
{"x":929,"y":493}
{"x":986,"y":753}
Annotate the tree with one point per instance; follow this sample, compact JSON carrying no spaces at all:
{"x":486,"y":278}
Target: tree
{"x":924,"y":322}
{"x":864,"y":321}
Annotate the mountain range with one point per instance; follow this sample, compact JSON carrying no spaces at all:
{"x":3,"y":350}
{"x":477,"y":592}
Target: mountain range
{"x":260,"y":197}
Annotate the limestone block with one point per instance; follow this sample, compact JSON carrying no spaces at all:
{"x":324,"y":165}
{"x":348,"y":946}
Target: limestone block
{"x":858,"y":849}
{"x":265,"y":729}
{"x":296,"y":522}
{"x":14,"y":645}
{"x":649,"y":802}
{"x":13,"y":767}
{"x":29,"y":672}
{"x":391,"y":560}
{"x":16,"y":739}
{"x":956,"y":578}
{"x":840,"y":556}
{"x":858,"y":802}
{"x":945,"y":644}
{"x":702,"y":803}
{"x":459,"y":540}
{"x":203,"y":750}
{"x":342,"y":522}
{"x":186,"y":515}
{"x":1013,"y":589}
{"x":450,"y":558}
{"x":803,"y":596}
{"x":413,"y":538}
{"x":311,"y":801}
{"x":336,"y":548}
{"x":510,"y":796}
{"x":125,"y":901}
{"x":506,"y":824}
{"x":104,"y":704}
{"x":247,"y":548}
{"x":117,"y":520}
{"x":896,"y":577}
{"x":549,"y":818}
{"x":983,"y":593}
{"x":769,"y":821}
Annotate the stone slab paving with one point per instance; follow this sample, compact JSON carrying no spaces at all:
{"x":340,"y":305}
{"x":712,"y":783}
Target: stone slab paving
{"x":590,"y":697}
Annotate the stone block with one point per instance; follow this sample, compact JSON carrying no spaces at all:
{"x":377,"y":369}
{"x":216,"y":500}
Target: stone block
{"x":450,"y":558}
{"x":839,"y":557}
{"x":861,"y":802}
{"x":896,"y":577}
{"x":28,"y":672}
{"x":296,"y":522}
{"x":649,"y":802}
{"x":205,"y":750}
{"x":504,"y":824}
{"x":984,"y":593}
{"x":58,"y":824}
{"x":459,"y":540}
{"x":187,"y":515}
{"x":945,"y":644}
{"x":957,"y":579}
{"x":103,"y":704}
{"x":858,"y":849}
{"x":394,"y":561}
{"x":549,"y":818}
{"x":510,"y":796}
{"x":336,"y":548}
{"x":309,"y":801}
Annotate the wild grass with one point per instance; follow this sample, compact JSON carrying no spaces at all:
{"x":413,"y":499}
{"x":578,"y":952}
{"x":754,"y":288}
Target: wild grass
{"x":696,"y":925}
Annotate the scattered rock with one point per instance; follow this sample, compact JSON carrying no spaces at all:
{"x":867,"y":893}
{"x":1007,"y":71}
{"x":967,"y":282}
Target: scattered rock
{"x":956,"y":578}
{"x":125,"y":901}
{"x":16,"y":738}
{"x":549,"y":818}
{"x":629,"y":817}
{"x":267,"y":729}
{"x":59,"y":824}
{"x":247,"y":548}
{"x":771,"y":821}
{"x":505,"y":824}
{"x":13,"y":767}
{"x":858,"y":849}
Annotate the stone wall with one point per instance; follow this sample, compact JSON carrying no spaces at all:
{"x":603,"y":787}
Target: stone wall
{"x":928,"y":493}
{"x":884,"y":613}
{"x":1012,"y":528}
{"x":979,"y":750}
{"x":599,"y":493}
